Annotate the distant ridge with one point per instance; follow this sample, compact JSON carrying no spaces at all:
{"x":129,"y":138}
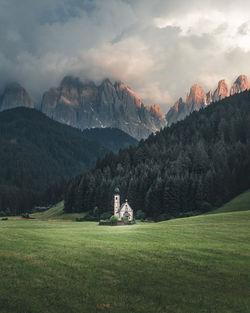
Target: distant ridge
{"x":197,"y":98}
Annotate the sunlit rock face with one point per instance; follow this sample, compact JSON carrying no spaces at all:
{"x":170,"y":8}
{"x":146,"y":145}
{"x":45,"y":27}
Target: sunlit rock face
{"x":221,"y":92}
{"x":177,"y":112}
{"x":14,"y":96}
{"x":72,"y":103}
{"x":197,"y":98}
{"x":241,"y":84}
{"x":85,"y":105}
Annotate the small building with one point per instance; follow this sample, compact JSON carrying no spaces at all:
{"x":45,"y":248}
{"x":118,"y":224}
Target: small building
{"x":123,"y":211}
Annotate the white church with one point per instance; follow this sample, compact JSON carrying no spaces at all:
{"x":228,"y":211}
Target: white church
{"x":124,"y":210}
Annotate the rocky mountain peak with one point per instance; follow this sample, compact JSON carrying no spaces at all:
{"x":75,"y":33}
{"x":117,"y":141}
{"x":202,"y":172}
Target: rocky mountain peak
{"x":209,"y":97}
{"x":196,"y":97}
{"x":106,"y":82}
{"x":241,"y":84}
{"x":178,"y":103}
{"x":70,"y":82}
{"x":108,"y":105}
{"x":127,"y":94}
{"x":157,"y":110}
{"x":14,"y":95}
{"x":222,"y":91}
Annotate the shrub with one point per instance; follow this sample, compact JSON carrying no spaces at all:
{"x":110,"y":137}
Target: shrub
{"x":106,"y":215}
{"x":140,"y":215}
{"x":163,"y":217}
{"x":113,"y":220}
{"x":25,"y":215}
{"x":87,"y":218}
{"x":96,"y":212}
{"x":5,"y":219}
{"x":205,"y":206}
{"x":79,"y":219}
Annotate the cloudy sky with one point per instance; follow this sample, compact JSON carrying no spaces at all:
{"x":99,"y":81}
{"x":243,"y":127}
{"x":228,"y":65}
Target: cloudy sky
{"x":159,"y":48}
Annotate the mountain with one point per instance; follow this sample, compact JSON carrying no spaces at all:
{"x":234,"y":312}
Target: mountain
{"x":191,"y":167}
{"x":37,"y":151}
{"x":241,"y":84}
{"x":14,"y":96}
{"x":197,"y":98}
{"x":86,"y":105}
{"x":221,"y":92}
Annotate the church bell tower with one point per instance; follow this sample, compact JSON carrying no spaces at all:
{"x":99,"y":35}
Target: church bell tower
{"x":117,"y":202}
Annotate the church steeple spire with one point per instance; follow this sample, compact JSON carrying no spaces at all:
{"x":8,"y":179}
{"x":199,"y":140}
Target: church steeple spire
{"x":117,"y":202}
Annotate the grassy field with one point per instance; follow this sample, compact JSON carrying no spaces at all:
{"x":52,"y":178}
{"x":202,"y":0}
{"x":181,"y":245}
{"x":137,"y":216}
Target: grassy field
{"x":189,"y":265}
{"x":56,"y":212}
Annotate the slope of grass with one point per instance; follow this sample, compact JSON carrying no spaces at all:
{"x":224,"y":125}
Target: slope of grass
{"x":56,"y":212}
{"x":240,"y":203}
{"x":198,"y":264}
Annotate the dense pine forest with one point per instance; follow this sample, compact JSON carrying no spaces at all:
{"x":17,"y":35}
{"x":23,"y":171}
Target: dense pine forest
{"x":112,"y":138}
{"x":38,"y":154}
{"x":188,"y":168}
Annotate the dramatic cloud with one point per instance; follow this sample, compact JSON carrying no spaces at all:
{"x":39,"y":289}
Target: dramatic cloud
{"x":159,"y":48}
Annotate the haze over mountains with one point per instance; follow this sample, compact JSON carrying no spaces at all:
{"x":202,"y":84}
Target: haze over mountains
{"x":14,"y":96}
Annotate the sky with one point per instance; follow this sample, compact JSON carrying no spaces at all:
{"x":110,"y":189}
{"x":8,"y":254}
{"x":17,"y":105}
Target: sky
{"x":158,"y":48}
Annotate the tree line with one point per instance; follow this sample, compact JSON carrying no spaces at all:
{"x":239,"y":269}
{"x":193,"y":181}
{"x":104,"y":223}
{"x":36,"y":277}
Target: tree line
{"x":191,"y":167}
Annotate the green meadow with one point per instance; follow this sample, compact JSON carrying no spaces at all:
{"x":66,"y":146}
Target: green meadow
{"x":189,"y":265}
{"x":56,"y":212}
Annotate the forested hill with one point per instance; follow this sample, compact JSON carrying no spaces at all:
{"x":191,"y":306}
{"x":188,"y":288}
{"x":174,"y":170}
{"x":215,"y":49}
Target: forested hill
{"x":37,"y":151}
{"x":112,"y":138}
{"x":194,"y":165}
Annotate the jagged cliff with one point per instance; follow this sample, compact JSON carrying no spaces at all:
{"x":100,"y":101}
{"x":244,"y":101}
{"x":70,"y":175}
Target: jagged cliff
{"x":241,"y":84}
{"x":221,"y":91}
{"x":86,"y":105}
{"x":14,"y":96}
{"x":197,"y":99}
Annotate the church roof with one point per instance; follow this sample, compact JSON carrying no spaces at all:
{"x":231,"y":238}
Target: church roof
{"x":125,"y":204}
{"x":117,"y":190}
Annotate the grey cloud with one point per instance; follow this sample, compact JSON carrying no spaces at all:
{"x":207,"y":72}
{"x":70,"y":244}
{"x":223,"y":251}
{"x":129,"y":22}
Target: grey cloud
{"x":244,"y":29}
{"x":41,"y":41}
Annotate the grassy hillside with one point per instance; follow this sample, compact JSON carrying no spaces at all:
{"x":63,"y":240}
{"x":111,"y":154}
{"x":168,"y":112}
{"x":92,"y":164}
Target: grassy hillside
{"x":56,"y":212}
{"x":198,"y":264}
{"x":240,"y":203}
